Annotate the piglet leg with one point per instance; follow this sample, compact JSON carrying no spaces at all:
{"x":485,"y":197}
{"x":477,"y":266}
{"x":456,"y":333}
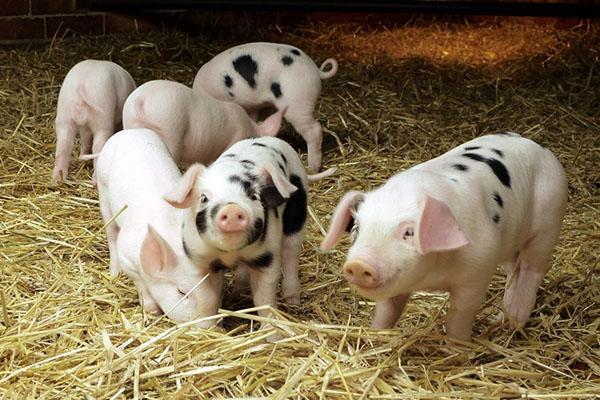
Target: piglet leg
{"x":290,"y":285}
{"x":525,"y":275}
{"x":65,"y":136}
{"x":388,"y":311}
{"x":465,"y":301}
{"x":305,"y":124}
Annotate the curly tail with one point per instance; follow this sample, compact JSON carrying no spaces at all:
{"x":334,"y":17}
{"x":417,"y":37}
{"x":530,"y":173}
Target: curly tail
{"x":321,"y":175}
{"x":332,"y":70}
{"x":86,"y":157}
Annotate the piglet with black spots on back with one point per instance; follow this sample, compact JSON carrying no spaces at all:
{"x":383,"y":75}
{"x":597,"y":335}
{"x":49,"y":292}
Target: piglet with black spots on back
{"x":255,"y":75}
{"x":447,"y":223}
{"x":247,"y":210}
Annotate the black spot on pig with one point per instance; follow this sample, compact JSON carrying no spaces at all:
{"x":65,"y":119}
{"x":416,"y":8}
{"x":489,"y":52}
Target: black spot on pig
{"x":246,"y":185}
{"x":499,"y":152}
{"x":251,"y":177}
{"x":460,"y":167}
{"x":472,"y":148}
{"x":228,"y":81}
{"x":256,"y":231}
{"x":497,"y":167}
{"x":259,"y":144}
{"x":262,"y":261}
{"x":295,"y":52}
{"x":283,"y":157}
{"x":247,"y":68}
{"x":294,"y":214}
{"x":498,"y":199}
{"x":185,"y":249}
{"x":201,"y":221}
{"x":271,"y":197}
{"x":230,"y":94}
{"x":265,"y":226}
{"x":287,"y":60}
{"x":215,"y":210}
{"x":217,"y":266}
{"x":276,"y":89}
{"x":496,"y":218}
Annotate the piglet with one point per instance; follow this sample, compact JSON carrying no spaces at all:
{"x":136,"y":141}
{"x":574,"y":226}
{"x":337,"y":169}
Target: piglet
{"x":255,"y":75}
{"x":135,"y":170}
{"x":447,"y":223}
{"x":194,"y":126}
{"x":90,"y":102}
{"x":248,"y":209}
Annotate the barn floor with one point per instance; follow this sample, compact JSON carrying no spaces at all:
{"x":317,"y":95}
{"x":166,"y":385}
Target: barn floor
{"x":401,"y":96}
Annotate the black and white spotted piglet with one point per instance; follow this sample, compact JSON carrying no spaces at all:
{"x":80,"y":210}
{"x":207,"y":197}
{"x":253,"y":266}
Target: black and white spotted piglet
{"x":447,"y":223}
{"x":247,"y":210}
{"x":257,"y":74}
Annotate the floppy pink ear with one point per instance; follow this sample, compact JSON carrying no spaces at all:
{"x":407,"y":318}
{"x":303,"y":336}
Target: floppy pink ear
{"x":437,"y":229}
{"x":183,"y":194}
{"x":271,"y":125}
{"x":341,"y":219}
{"x":279,"y":180}
{"x":156,"y":255}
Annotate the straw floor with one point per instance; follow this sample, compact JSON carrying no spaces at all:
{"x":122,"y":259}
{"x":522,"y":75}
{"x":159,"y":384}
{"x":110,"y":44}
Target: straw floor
{"x":402,"y":95}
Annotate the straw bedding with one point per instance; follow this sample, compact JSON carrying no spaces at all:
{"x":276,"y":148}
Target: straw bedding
{"x":402,"y":96}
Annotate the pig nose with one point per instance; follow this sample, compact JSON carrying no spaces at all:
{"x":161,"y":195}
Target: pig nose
{"x":361,"y":274}
{"x":232,"y":218}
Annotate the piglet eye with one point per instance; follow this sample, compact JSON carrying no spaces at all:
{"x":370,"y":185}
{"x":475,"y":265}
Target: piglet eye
{"x":408,"y":233}
{"x":255,"y":196}
{"x":203,"y":199}
{"x":181,"y":292}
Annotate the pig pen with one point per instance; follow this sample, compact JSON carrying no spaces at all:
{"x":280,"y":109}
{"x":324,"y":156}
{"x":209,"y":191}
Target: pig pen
{"x":402,"y":95}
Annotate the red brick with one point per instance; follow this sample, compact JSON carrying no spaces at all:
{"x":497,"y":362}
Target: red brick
{"x":14,"y":7}
{"x":84,"y":23}
{"x":52,"y":6}
{"x":13,"y":28}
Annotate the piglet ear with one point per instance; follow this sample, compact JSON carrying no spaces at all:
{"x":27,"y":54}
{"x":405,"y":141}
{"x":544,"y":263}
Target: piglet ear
{"x":437,"y":229}
{"x":271,"y":125}
{"x":156,"y":256}
{"x":342,"y":216}
{"x":277,"y":187}
{"x":183,"y":194}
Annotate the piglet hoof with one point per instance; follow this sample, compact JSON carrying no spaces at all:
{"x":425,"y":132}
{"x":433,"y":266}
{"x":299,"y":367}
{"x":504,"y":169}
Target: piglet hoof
{"x":292,"y":299}
{"x":59,"y":174}
{"x":274,"y":336}
{"x":151,"y":307}
{"x":314,"y":162}
{"x":207,"y":324}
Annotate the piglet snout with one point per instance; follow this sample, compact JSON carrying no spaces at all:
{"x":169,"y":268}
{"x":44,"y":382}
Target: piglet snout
{"x":361,"y":274}
{"x":232,"y":218}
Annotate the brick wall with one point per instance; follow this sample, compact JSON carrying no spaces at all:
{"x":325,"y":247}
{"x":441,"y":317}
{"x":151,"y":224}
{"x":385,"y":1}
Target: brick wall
{"x":24,"y":20}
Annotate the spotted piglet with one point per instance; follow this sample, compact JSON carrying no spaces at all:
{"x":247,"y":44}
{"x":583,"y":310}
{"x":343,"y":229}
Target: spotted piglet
{"x":248,"y":209}
{"x":90,"y":102}
{"x":255,"y":75}
{"x":447,"y":223}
